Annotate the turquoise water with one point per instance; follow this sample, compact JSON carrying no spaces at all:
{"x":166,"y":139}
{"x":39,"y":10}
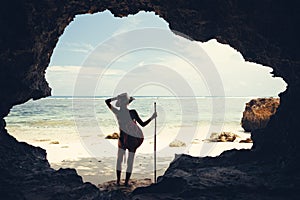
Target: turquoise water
{"x":93,"y":114}
{"x":79,"y":126}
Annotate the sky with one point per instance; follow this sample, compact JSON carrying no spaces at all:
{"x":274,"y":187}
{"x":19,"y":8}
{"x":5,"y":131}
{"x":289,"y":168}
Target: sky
{"x":100,"y":55}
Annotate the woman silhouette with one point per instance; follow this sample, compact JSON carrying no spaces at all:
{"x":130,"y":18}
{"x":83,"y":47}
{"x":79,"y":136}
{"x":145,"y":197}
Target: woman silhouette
{"x":131,"y":136}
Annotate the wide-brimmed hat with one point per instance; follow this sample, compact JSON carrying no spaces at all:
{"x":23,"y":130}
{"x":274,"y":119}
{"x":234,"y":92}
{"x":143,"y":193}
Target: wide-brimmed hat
{"x":124,"y":99}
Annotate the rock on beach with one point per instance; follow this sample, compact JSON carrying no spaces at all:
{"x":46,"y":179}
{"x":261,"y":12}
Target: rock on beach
{"x":258,"y":112}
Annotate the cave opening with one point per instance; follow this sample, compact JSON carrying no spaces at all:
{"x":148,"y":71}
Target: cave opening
{"x":50,"y":122}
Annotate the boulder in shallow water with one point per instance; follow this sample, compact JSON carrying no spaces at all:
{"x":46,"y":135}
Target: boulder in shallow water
{"x":54,"y":142}
{"x":112,"y":136}
{"x":223,"y":137}
{"x":177,"y":143}
{"x":248,"y":140}
{"x":258,"y":112}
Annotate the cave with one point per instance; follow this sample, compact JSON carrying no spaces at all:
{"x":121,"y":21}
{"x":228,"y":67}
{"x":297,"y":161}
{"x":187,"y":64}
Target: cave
{"x":264,"y":32}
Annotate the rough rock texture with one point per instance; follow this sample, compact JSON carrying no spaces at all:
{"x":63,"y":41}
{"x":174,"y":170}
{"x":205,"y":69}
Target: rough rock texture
{"x":112,"y":136}
{"x":247,"y":140}
{"x":177,"y":143}
{"x":222,"y":137}
{"x":233,"y":175}
{"x":263,"y":31}
{"x":258,"y":112}
{"x":123,"y":192}
{"x":26,"y":174}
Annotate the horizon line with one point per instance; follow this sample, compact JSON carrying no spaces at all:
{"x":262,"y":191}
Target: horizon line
{"x":103,"y":96}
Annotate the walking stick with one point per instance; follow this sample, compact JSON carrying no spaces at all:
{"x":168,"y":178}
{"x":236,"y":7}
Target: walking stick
{"x":155,"y":144}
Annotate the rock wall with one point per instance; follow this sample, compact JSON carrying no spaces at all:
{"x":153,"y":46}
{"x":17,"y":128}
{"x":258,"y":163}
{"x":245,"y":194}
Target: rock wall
{"x":263,"y":31}
{"x":26,"y":174}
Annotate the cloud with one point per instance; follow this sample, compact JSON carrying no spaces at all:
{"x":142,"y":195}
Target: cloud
{"x":131,"y":55}
{"x":221,"y":52}
{"x":129,"y":23}
{"x":241,"y":78}
{"x":80,"y":70}
{"x":70,"y":69}
{"x":140,"y":20}
{"x":79,"y":47}
{"x":65,"y":79}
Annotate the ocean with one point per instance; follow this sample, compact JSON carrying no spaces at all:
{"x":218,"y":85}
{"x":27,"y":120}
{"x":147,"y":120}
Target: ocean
{"x":89,"y":117}
{"x":72,"y":129}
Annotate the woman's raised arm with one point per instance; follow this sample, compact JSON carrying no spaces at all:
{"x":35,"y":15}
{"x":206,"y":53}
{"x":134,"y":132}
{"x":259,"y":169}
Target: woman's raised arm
{"x":108,"y":103}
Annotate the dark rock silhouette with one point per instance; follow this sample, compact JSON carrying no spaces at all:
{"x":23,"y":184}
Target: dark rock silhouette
{"x":229,"y":176}
{"x":26,"y":174}
{"x":121,"y":191}
{"x":263,"y":31}
{"x":258,"y":112}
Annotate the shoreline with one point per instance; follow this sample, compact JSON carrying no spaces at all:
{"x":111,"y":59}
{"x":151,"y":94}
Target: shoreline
{"x":94,"y":157}
{"x":100,"y":169}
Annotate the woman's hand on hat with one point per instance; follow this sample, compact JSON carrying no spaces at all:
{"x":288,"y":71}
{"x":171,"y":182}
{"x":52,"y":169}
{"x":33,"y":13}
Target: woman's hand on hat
{"x":114,"y":98}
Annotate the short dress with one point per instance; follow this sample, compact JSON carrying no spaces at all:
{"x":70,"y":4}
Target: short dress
{"x":132,"y":137}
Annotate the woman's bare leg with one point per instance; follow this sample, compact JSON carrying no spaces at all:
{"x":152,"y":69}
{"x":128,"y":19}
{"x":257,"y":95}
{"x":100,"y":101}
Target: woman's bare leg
{"x":130,"y":161}
{"x":121,"y":153}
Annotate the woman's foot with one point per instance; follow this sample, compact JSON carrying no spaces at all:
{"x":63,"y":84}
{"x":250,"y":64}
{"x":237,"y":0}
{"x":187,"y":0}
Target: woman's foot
{"x":118,"y":177}
{"x":127,"y":178}
{"x":118,"y":183}
{"x":127,"y":184}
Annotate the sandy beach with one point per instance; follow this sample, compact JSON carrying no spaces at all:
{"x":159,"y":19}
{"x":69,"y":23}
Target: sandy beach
{"x":64,"y":151}
{"x":50,"y":124}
